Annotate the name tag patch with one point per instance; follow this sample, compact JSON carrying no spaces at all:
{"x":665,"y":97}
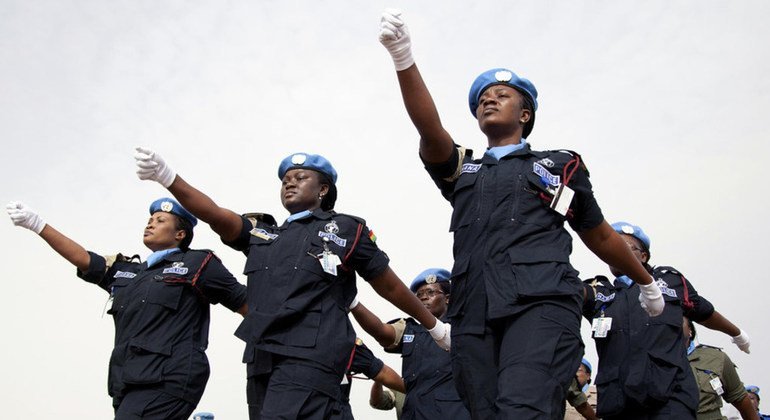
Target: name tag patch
{"x":665,"y":289}
{"x":470,"y":168}
{"x":263,"y":234}
{"x":176,"y":270}
{"x":334,"y":238}
{"x":124,"y":275}
{"x":551,"y":179}
{"x":408,"y":338}
{"x":602,"y":298}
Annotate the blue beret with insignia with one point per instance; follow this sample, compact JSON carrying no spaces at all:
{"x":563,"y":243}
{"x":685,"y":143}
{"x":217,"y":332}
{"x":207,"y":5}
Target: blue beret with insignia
{"x":501,"y":76}
{"x":169,"y":205}
{"x":429,"y":276}
{"x":633,"y":230}
{"x":753,"y":389}
{"x":317,"y":163}
{"x":587,"y":364}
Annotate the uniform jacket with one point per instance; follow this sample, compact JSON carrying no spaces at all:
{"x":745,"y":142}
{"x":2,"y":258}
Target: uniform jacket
{"x":643,"y":359}
{"x":708,"y":363}
{"x":510,"y":247}
{"x":161,"y":317}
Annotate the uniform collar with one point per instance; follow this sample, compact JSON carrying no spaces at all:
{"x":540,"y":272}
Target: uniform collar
{"x":305,"y":214}
{"x":623,"y":281}
{"x":498,"y":152}
{"x":158,"y":256}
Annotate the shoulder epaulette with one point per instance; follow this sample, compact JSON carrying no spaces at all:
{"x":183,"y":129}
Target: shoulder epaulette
{"x":356,"y":218}
{"x":710,"y":347}
{"x":665,"y":270}
{"x":260,"y":217}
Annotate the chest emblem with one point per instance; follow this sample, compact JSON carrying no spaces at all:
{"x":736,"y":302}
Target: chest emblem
{"x":548,"y":163}
{"x":408,"y":338}
{"x":331,"y":227}
{"x":470,"y":168}
{"x":263,"y":234}
{"x":176,"y":268}
{"x":124,"y":275}
{"x":665,"y":289}
{"x":334,"y":238}
{"x":602,"y":298}
{"x":546,"y":176}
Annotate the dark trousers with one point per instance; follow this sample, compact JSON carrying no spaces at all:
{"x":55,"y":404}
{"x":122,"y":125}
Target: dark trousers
{"x":673,"y":409}
{"x":285,"y":393}
{"x":521,"y":367}
{"x":151,"y":404}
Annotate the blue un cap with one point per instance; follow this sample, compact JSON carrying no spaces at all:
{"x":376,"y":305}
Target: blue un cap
{"x":501,"y":76}
{"x":169,"y":205}
{"x":429,"y":276}
{"x":587,"y":364}
{"x":633,"y":230}
{"x":753,"y":389}
{"x":317,"y":163}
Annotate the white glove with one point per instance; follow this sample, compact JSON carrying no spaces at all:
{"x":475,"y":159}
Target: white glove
{"x":354,"y":303}
{"x":23,"y":216}
{"x":151,"y":165}
{"x":441,"y":333}
{"x":742,"y":341}
{"x":651,"y":299}
{"x":394,"y":35}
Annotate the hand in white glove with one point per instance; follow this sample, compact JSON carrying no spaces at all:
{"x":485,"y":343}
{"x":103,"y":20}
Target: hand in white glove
{"x":151,"y":165}
{"x":441,"y":333}
{"x":23,"y":216}
{"x":394,"y":35}
{"x":742,"y":341}
{"x":651,"y":299}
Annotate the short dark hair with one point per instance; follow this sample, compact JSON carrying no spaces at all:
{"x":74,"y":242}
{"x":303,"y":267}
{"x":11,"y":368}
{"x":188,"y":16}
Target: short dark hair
{"x":186,"y":226}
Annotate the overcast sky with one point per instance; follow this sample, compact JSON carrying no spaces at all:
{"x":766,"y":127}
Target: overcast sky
{"x":667,"y":101}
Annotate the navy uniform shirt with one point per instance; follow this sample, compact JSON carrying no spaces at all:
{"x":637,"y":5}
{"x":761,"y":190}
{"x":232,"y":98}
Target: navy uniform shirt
{"x":296,"y":309}
{"x":161,"y":317}
{"x":427,"y":372}
{"x":510,"y":249}
{"x":644,"y":359}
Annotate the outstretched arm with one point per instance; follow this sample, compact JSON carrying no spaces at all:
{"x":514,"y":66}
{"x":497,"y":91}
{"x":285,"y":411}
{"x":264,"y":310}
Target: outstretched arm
{"x":435,"y":142}
{"x":390,"y":379}
{"x":25,"y":217}
{"x":384,"y":333}
{"x":603,"y":241}
{"x":719,"y":323}
{"x":151,"y":166}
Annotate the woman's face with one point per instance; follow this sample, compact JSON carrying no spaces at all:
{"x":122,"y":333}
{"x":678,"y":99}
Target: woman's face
{"x":636,"y":248}
{"x":501,"y":105}
{"x":301,"y":190}
{"x":161,"y":232}
{"x":433,"y":298}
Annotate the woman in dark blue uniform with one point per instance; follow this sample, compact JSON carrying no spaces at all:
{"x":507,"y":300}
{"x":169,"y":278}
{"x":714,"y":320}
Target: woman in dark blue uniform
{"x":158,"y":369}
{"x":301,"y":281}
{"x":516,"y":298}
{"x":644,"y":372}
{"x":425,"y":367}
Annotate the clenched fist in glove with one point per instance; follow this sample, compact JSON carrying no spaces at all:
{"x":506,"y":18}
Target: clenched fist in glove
{"x":441,"y":334}
{"x":394,"y":35}
{"x":23,"y":216}
{"x":651,"y":299}
{"x":151,"y":165}
{"x":742,"y":341}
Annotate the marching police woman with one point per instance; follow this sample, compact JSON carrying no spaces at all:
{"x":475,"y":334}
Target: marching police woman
{"x":425,"y":367}
{"x":301,"y":282}
{"x":158,"y":369}
{"x":363,"y":361}
{"x":753,"y":392}
{"x":716,"y":378}
{"x":515,"y":309}
{"x":581,"y":396}
{"x":643,"y":368}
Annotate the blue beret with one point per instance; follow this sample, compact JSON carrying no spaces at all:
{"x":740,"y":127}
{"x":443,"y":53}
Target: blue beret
{"x":753,"y":389}
{"x":587,"y":364}
{"x":633,"y":230}
{"x":500,"y":77}
{"x":169,"y":205}
{"x":317,"y":163}
{"x":429,"y":276}
{"x":203,"y":416}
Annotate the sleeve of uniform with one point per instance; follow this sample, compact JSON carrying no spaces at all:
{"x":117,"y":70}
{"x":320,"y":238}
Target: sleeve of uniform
{"x":589,"y":290}
{"x":241,"y":243}
{"x":575,"y":397}
{"x":220,"y":286}
{"x":365,"y":256}
{"x":734,"y":390}
{"x":97,"y":272}
{"x":701,"y":307}
{"x":365,"y":362}
{"x":445,"y":174}
{"x":586,"y":212}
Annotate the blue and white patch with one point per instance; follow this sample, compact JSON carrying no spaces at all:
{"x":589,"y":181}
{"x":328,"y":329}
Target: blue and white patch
{"x":408,"y":338}
{"x":470,"y":168}
{"x":176,"y":270}
{"x":334,"y":238}
{"x":665,"y":289}
{"x":543,"y":173}
{"x":602,"y":298}
{"x":548,"y":163}
{"x":124,"y":275}
{"x":263,"y":234}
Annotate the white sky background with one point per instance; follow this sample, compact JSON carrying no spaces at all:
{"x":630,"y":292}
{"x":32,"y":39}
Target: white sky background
{"x":666,"y":101}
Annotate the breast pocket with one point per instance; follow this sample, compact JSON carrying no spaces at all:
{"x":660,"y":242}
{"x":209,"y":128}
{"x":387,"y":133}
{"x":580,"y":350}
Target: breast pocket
{"x":119,"y":294}
{"x":530,"y":205}
{"x":166,"y":291}
{"x":464,"y":202}
{"x":256,"y":259}
{"x":145,"y":363}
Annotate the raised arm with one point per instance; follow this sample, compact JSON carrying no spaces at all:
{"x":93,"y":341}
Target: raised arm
{"x":716,"y":321}
{"x":151,"y":166}
{"x":435,"y":142}
{"x":607,"y":244}
{"x":390,"y":379}
{"x":25,"y":217}
{"x":385,"y":334}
